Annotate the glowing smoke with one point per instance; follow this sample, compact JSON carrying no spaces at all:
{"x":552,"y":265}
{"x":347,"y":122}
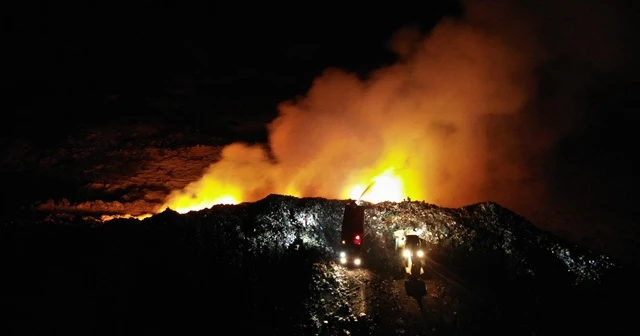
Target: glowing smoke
{"x":453,"y":117}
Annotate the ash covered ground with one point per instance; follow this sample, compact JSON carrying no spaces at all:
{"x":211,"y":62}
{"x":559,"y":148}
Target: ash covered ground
{"x":231,"y":268}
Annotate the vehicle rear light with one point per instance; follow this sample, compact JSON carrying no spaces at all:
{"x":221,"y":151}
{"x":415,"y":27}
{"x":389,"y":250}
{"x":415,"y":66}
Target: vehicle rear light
{"x":357,"y":240}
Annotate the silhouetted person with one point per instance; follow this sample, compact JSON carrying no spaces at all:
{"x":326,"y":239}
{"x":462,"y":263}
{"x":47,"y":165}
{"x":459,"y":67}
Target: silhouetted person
{"x":298,"y":244}
{"x":297,"y":252}
{"x":416,"y":289}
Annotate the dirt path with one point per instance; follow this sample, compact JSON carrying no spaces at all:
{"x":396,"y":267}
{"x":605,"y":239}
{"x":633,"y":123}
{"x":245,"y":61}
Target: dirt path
{"x":389,"y":309}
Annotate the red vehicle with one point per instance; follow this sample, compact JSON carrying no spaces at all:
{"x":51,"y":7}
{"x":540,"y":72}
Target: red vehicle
{"x":352,"y":235}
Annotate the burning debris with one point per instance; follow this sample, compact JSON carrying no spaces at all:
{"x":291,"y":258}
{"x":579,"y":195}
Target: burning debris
{"x":278,"y":257}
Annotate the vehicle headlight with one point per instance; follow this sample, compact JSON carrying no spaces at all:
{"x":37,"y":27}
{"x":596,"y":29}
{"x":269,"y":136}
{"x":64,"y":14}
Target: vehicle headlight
{"x":420,"y":254}
{"x":357,"y":261}
{"x":343,"y":255}
{"x":406,"y":253}
{"x":343,"y":260}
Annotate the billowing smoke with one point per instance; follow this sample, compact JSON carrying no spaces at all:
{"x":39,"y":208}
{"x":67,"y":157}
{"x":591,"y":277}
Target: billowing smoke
{"x":471,"y":111}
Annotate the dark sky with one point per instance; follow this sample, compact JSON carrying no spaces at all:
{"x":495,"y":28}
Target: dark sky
{"x":210,"y":65}
{"x":139,"y":60}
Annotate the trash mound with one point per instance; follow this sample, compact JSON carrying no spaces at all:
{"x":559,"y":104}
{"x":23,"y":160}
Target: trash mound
{"x":484,"y":232}
{"x":212,"y":268}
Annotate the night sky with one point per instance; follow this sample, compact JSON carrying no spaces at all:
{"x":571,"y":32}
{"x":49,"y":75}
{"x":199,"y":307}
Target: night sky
{"x":214,"y":67}
{"x":191,"y":64}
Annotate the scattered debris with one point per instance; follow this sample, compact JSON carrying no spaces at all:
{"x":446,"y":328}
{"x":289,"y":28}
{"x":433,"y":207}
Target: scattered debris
{"x":246,"y":249}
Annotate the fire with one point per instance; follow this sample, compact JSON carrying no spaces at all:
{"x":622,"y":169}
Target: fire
{"x":233,"y":180}
{"x":432,"y":127}
{"x":185,"y":203}
{"x":385,"y":187}
{"x":106,"y":218}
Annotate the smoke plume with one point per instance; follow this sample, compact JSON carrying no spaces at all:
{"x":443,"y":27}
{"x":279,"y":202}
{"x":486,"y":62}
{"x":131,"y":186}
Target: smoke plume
{"x":471,"y":111}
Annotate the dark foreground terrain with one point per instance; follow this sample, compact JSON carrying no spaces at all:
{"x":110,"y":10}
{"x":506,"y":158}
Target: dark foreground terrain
{"x":231,"y":268}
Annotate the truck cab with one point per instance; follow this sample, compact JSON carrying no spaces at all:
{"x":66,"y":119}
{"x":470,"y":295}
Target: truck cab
{"x":352,"y":236}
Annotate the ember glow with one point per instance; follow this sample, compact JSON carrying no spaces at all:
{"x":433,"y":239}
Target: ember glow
{"x":184,"y":203}
{"x":384,"y":187}
{"x":105,"y":218}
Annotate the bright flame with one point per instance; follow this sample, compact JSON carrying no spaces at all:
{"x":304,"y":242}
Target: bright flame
{"x":240,"y":176}
{"x":105,"y":218}
{"x":183,"y":203}
{"x":385,"y":187}
{"x":440,"y":117}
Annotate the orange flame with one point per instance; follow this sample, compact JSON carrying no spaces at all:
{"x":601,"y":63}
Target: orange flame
{"x":185,"y":203}
{"x":106,"y":218}
{"x":246,"y":174}
{"x":432,"y":127}
{"x":385,"y":187}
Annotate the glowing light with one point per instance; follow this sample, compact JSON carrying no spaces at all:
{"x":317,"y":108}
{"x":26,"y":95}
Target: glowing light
{"x":210,"y":191}
{"x":356,"y":192}
{"x":357,"y":261}
{"x":420,"y":254}
{"x":183,"y":205}
{"x":384,"y":187}
{"x":106,"y":218}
